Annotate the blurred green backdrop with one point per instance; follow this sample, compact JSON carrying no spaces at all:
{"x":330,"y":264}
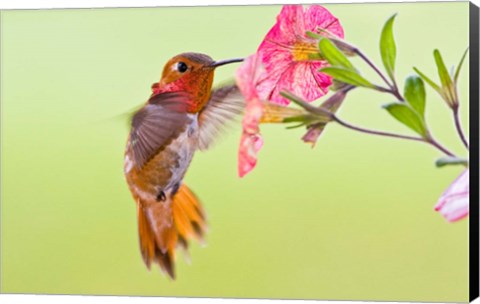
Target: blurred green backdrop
{"x":351,"y":219}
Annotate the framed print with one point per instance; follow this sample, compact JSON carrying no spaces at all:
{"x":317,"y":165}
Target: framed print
{"x":319,"y":151}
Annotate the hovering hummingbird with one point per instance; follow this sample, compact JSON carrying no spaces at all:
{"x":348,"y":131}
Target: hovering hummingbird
{"x":182,"y":115}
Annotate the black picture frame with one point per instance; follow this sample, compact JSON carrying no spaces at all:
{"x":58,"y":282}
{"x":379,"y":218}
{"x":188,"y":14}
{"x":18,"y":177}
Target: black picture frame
{"x":474,"y":151}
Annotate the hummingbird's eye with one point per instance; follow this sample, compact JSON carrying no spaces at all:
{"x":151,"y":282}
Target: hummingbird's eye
{"x":182,"y":67}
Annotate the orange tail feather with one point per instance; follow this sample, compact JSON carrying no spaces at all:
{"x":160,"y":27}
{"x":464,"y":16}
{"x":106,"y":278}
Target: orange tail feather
{"x":163,"y":226}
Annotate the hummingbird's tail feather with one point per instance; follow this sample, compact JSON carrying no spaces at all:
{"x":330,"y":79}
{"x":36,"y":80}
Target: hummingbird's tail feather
{"x":188,"y":216}
{"x":162,"y":226}
{"x":152,"y":244}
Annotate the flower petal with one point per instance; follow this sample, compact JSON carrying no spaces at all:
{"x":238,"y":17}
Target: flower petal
{"x":454,"y":202}
{"x":247,"y":76}
{"x":253,"y":114}
{"x":300,"y":78}
{"x":250,"y":145}
{"x":276,"y":58}
{"x":317,"y":16}
{"x":250,"y":142}
{"x":289,"y":25}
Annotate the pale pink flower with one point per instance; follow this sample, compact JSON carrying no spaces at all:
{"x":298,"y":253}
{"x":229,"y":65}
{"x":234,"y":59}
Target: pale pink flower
{"x":251,"y":141}
{"x":286,"y":53}
{"x":454,"y":202}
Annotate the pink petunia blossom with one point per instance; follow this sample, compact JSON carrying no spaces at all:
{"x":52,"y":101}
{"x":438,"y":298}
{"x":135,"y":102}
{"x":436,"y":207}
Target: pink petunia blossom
{"x":282,"y":62}
{"x":454,"y":202}
{"x":248,"y":75}
{"x":286,"y":54}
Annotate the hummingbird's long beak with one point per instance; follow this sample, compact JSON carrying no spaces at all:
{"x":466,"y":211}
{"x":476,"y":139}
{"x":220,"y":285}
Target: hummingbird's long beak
{"x":223,"y":62}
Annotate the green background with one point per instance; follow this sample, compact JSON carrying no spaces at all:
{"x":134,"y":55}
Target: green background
{"x":351,"y":219}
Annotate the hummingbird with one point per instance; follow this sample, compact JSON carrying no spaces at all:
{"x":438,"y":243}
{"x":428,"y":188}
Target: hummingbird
{"x":182,"y":115}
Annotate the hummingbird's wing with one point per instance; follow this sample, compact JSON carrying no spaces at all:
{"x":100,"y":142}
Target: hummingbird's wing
{"x":224,"y":105}
{"x":162,"y":119}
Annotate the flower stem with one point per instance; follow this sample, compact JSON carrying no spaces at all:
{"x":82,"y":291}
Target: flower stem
{"x":374,"y":132}
{"x":396,"y":93}
{"x":382,"y":89}
{"x":331,"y":116}
{"x":372,"y":65}
{"x":430,"y":140}
{"x":393,"y":87}
{"x":458,"y":126}
{"x":437,"y":145}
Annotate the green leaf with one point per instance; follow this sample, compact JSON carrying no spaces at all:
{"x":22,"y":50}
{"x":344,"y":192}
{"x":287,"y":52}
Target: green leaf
{"x":435,"y":86}
{"x":333,"y":55}
{"x":449,"y":161}
{"x":347,"y":76}
{"x":388,"y":49}
{"x":320,"y":114}
{"x":316,"y":56}
{"x":295,"y":126}
{"x":408,"y":117}
{"x":447,"y":83}
{"x":313,"y":35}
{"x":459,"y":67}
{"x":415,"y":94}
{"x":307,"y":119}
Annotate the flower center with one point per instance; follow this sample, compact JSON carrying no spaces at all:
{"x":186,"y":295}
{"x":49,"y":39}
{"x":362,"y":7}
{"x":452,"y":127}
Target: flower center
{"x":302,"y":50}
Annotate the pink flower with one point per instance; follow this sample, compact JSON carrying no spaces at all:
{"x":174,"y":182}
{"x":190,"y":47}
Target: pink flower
{"x":282,"y":62}
{"x":250,"y":142}
{"x":286,"y":53}
{"x":454,"y":202}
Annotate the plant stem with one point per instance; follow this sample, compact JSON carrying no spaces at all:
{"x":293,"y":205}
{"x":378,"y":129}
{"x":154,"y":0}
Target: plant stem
{"x":459,"y":127}
{"x":382,"y":89}
{"x":396,"y":93}
{"x":330,"y":115}
{"x":373,"y":132}
{"x":430,"y":140}
{"x":373,"y":66}
{"x":434,"y":143}
{"x":393,"y":87}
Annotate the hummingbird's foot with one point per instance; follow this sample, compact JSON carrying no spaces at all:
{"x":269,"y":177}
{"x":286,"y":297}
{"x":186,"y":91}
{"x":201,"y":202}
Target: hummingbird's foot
{"x":161,"y":197}
{"x":175,"y":189}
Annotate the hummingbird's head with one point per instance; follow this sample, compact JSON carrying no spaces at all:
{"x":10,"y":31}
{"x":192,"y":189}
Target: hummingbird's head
{"x":191,"y":73}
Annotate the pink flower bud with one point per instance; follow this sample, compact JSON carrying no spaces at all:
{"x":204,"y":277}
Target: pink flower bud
{"x":454,"y":202}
